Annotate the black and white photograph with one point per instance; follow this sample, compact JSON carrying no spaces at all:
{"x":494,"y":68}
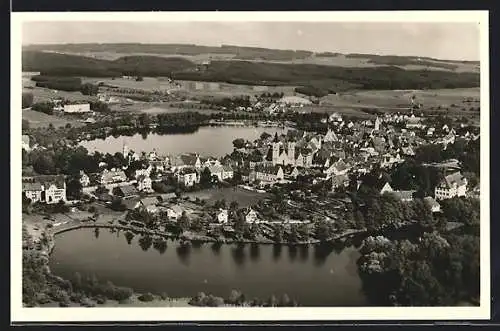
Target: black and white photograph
{"x":256,"y":165}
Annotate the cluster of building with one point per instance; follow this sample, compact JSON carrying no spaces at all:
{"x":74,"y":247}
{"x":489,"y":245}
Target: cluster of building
{"x":345,"y":151}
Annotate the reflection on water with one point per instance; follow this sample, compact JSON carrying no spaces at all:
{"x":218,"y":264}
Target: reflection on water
{"x":276,"y":252}
{"x":183,"y":252}
{"x":254,"y":251}
{"x":217,"y":141}
{"x":324,"y":276}
{"x":292,"y":252}
{"x":216,"y":248}
{"x":304,"y":252}
{"x":238,"y":254}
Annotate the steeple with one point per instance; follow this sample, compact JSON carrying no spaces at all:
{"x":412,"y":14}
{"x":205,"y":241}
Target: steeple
{"x":275,"y":140}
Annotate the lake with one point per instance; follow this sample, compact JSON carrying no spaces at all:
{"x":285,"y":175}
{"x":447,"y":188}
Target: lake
{"x":214,"y":141}
{"x":313,"y":275}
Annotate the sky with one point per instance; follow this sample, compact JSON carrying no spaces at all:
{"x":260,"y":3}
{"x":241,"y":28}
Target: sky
{"x":453,"y":41}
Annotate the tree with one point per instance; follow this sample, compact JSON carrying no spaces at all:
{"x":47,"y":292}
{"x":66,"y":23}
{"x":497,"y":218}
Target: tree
{"x":27,"y":99}
{"x":74,"y":188}
{"x":239,"y":143}
{"x":129,"y":236}
{"x":233,"y":206}
{"x":89,"y":89}
{"x":323,"y":230}
{"x":205,"y":178}
{"x":25,"y":124}
{"x":184,"y":222}
{"x":145,"y":242}
{"x":139,"y":79}
{"x":43,"y":107}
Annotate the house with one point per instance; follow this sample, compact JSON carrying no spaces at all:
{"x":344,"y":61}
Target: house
{"x":388,"y":160}
{"x":33,"y":191}
{"x":227,"y":172}
{"x":268,"y":174}
{"x":149,"y":204}
{"x":84,"y":179}
{"x":144,"y":183}
{"x":112,"y":176}
{"x":337,"y":168}
{"x":48,"y":189}
{"x":432,"y":204}
{"x":175,"y":211}
{"x":25,"y":142}
{"x":187,"y":177}
{"x":294,"y":173}
{"x":453,"y":185}
{"x":126,"y":191}
{"x":251,"y":216}
{"x":221,"y":172}
{"x":340,"y":181}
{"x":144,"y":172}
{"x":330,"y":136}
{"x":77,"y":108}
{"x":414,"y":122}
{"x":222,"y":216}
{"x":185,"y":161}
{"x":404,"y":196}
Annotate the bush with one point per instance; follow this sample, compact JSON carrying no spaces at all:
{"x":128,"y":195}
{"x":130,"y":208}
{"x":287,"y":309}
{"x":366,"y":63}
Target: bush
{"x":147,"y":297}
{"x":164,"y":296}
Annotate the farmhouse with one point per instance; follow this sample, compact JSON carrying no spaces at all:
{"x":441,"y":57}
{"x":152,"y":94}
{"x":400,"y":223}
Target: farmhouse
{"x":25,"y":142}
{"x":187,"y":177}
{"x":48,"y":189}
{"x":127,"y":191}
{"x":453,"y":185}
{"x":77,"y":108}
{"x":268,"y":174}
{"x":112,"y":176}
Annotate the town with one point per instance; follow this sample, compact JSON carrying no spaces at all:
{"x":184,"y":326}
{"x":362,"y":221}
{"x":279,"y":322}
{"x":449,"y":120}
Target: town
{"x":390,"y":177}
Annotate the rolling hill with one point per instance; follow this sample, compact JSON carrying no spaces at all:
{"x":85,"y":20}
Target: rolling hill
{"x":328,"y":78}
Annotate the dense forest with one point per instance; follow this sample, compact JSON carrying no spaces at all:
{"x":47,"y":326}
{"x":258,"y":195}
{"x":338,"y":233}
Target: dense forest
{"x":328,"y":78}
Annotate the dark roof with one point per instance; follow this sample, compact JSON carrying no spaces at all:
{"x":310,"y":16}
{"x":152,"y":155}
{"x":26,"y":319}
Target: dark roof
{"x":454,"y":178}
{"x":32,"y":186}
{"x":189,"y":159}
{"x":186,"y":171}
{"x":47,"y":180}
{"x":267,"y":169}
{"x":128,"y":190}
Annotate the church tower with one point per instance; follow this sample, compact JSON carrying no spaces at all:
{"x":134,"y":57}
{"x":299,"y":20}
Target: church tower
{"x":377,"y":124}
{"x":291,"y":152}
{"x":125,"y":150}
{"x":276,"y":148}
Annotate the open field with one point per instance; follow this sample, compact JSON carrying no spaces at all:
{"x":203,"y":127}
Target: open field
{"x":243,"y":197}
{"x":39,"y":120}
{"x":401,"y":99}
{"x":41,"y":94}
{"x":148,"y":83}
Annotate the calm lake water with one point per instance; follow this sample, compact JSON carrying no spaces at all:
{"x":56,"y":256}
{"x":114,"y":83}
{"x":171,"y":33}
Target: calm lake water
{"x":312,"y":275}
{"x":209,"y":141}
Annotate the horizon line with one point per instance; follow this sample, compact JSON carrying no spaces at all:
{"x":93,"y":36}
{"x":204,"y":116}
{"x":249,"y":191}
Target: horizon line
{"x":242,"y":46}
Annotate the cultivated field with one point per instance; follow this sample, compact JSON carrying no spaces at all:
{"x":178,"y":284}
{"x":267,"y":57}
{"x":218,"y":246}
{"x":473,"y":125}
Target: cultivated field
{"x":401,"y":99}
{"x":243,"y":197}
{"x":39,"y":120}
{"x":148,"y":83}
{"x":41,"y":94}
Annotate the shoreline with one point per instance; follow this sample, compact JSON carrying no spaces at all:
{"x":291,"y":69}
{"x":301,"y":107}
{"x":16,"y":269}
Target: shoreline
{"x":46,"y":251}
